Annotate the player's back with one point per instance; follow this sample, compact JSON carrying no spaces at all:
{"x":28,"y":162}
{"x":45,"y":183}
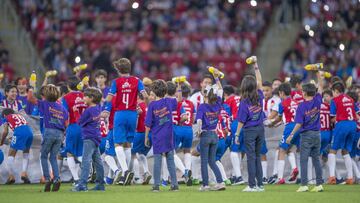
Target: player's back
{"x":343,"y":108}
{"x":74,"y":104}
{"x":289,"y":107}
{"x":126,"y":89}
{"x":15,"y":120}
{"x":297,"y":96}
{"x":233,"y":102}
{"x":325,"y":117}
{"x":189,"y":109}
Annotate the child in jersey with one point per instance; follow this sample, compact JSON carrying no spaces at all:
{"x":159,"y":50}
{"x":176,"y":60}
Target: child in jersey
{"x":89,"y":122}
{"x":11,"y":100}
{"x":21,"y":140}
{"x":296,"y":93}
{"x":325,"y":123}
{"x":236,"y":150}
{"x":74,"y":104}
{"x":22,"y":86}
{"x":126,"y":89}
{"x":343,"y":110}
{"x":159,"y":121}
{"x":287,"y":110}
{"x":55,"y":122}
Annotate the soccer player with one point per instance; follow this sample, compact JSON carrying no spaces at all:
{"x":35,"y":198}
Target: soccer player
{"x":89,"y":122}
{"x":11,"y":100}
{"x":342,"y":109}
{"x":100,"y":79}
{"x":21,"y":140}
{"x":236,"y":150}
{"x":287,"y":109}
{"x":74,"y":104}
{"x":296,"y":93}
{"x":126,"y":89}
{"x":21,"y":85}
{"x":159,"y":121}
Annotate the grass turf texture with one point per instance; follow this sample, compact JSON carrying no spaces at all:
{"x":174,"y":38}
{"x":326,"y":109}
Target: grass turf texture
{"x":135,"y":194}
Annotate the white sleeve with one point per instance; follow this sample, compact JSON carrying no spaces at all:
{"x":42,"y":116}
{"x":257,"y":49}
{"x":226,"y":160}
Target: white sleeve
{"x":275,"y":107}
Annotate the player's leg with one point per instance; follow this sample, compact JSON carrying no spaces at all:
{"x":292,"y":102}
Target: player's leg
{"x":54,"y":164}
{"x":88,"y":151}
{"x":274,"y":176}
{"x":196,"y":165}
{"x":144,"y":163}
{"x":44,"y":157}
{"x":11,"y":166}
{"x":315,"y":156}
{"x":119,"y":135}
{"x":204,"y":157}
{"x":165,"y":172}
{"x":172,"y":170}
{"x":264,"y":163}
{"x":99,"y":168}
{"x":212,"y":162}
{"x":157,"y":171}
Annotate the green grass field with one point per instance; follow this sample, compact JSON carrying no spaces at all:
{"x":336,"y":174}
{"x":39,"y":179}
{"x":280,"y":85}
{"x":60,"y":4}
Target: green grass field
{"x":135,"y":194}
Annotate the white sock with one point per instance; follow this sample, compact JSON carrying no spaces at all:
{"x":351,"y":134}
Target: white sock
{"x":128,"y":155}
{"x":25,"y":162}
{"x":264,"y":168}
{"x":348,"y":166}
{"x":187,"y":161}
{"x":120,"y":154}
{"x":165,"y":171}
{"x":10,"y":163}
{"x":41,"y":170}
{"x":110,"y":173}
{"x":332,"y":164}
{"x":212,"y":178}
{"x":110,"y":161}
{"x":338,"y":175}
{"x":235,"y":161}
{"x":60,"y":163}
{"x":292,"y":160}
{"x":195,"y":164}
{"x":79,"y":159}
{"x":136,"y":168}
{"x":73,"y":168}
{"x":179,"y":164}
{"x":276,"y":162}
{"x":310,"y":169}
{"x":281,"y":166}
{"x":143,"y":161}
{"x":222,"y":170}
{"x":356,"y":169}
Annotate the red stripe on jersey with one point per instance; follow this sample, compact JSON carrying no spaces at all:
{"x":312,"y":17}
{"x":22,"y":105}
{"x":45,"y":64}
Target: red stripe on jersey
{"x":233,"y":102}
{"x":126,"y":93}
{"x":76,"y":105}
{"x":325,"y":117}
{"x":189,"y":111}
{"x":289,"y":106}
{"x":345,"y":108}
{"x":141,"y":118}
{"x":15,"y":120}
{"x":297,"y":96}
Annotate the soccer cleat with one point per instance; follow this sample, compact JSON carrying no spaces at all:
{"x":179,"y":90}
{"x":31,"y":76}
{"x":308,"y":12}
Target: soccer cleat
{"x":98,"y":187}
{"x":303,"y":189}
{"x":349,"y":181}
{"x":147,"y":178}
{"x":56,"y":186}
{"x":294,"y":175}
{"x":79,"y":188}
{"x":281,"y":181}
{"x":76,"y":182}
{"x":218,"y":187}
{"x":164,"y":183}
{"x":260,"y":189}
{"x":187,"y":177}
{"x":155,"y":189}
{"x":227,"y":182}
{"x":117,"y":177}
{"x":318,"y":188}
{"x":232,"y":179}
{"x":273,"y":179}
{"x":331,"y":180}
{"x":10,"y":180}
{"x":265,"y":180}
{"x":340,"y":181}
{"x":128,"y":177}
{"x":250,"y":189}
{"x":109,"y":181}
{"x":174,"y":188}
{"x":47,"y":187}
{"x":204,"y":188}
{"x":196,"y":181}
{"x":25,"y":178}
{"x":239,"y":181}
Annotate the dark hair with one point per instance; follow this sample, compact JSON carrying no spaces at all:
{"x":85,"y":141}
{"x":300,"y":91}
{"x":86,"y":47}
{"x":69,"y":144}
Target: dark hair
{"x":248,"y":89}
{"x":335,"y":79}
{"x":9,"y":87}
{"x":18,"y":80}
{"x":123,"y":65}
{"x":353,"y":95}
{"x":286,"y":88}
{"x":294,"y":80}
{"x":327,"y":91}
{"x":93,"y":93}
{"x":206,"y":75}
{"x":229,"y":89}
{"x":100,"y":72}
{"x":310,"y":89}
{"x":7,"y":111}
{"x":63,"y":88}
{"x":51,"y":93}
{"x":266,"y":84}
{"x":339,"y":86}
{"x":212,"y":98}
{"x":185,"y":90}
{"x":159,"y":88}
{"x":276,"y":79}
{"x":171,"y":88}
{"x":73,"y":81}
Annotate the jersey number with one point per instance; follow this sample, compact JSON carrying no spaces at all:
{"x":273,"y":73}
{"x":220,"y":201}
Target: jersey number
{"x":19,"y":120}
{"x":324,"y":121}
{"x":125,"y":100}
{"x":350,"y":113}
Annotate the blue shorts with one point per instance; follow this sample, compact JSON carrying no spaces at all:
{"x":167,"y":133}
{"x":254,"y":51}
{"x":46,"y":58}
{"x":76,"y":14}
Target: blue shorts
{"x":109,"y":145}
{"x":1,"y":156}
{"x":235,"y":147}
{"x":102,"y":145}
{"x":264,"y":149}
{"x":287,"y":131}
{"x":221,"y":149}
{"x":183,"y":136}
{"x":62,"y":152}
{"x":22,"y":138}
{"x":73,"y":140}
{"x":355,"y":151}
{"x":139,"y":144}
{"x":325,"y":142}
{"x":344,"y":134}
{"x":124,"y":126}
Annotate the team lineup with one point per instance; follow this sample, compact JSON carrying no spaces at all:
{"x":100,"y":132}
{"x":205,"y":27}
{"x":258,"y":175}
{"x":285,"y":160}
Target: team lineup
{"x":124,"y":124}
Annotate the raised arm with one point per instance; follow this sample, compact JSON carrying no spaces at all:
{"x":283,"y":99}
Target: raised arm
{"x":257,"y":75}
{"x":321,"y":81}
{"x":31,"y":98}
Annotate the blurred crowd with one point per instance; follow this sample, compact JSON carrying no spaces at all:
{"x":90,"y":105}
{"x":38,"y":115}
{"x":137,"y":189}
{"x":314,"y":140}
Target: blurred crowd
{"x":330,"y":34}
{"x":169,"y":36}
{"x":5,"y":64}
